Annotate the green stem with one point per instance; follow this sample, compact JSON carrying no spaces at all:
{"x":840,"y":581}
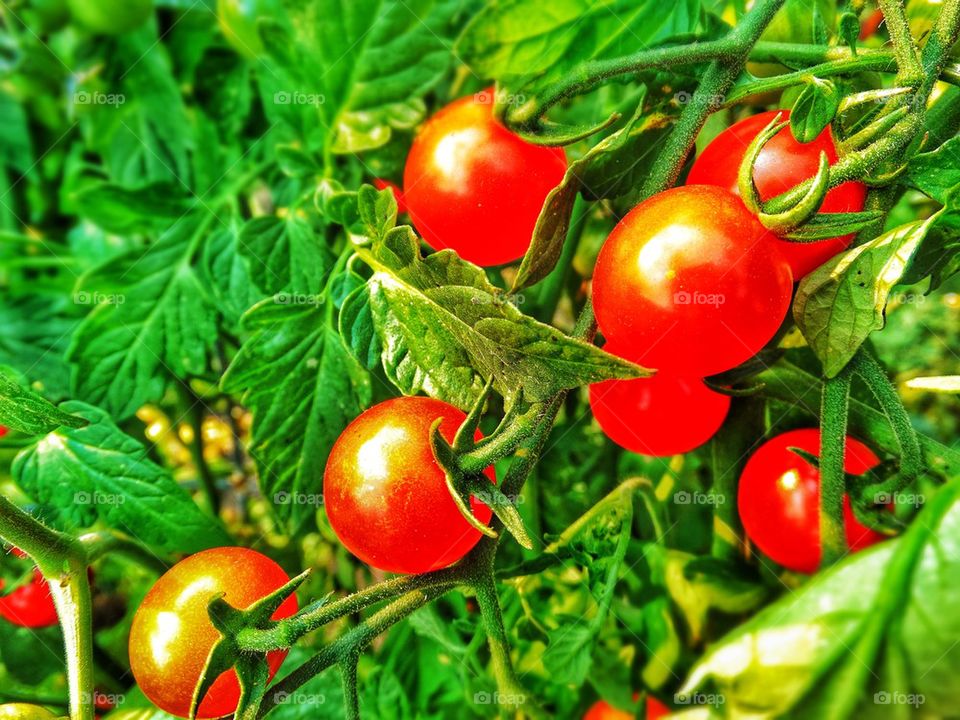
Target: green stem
{"x":197,"y":411}
{"x":875,"y":377}
{"x":351,"y":693}
{"x":351,"y":642}
{"x":510,"y":692}
{"x":904,"y":46}
{"x":834,"y":410}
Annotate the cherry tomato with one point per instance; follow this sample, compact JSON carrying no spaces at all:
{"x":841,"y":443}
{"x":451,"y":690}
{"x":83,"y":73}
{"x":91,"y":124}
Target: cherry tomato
{"x":29,"y":605}
{"x":602,"y":710}
{"x":782,"y":163}
{"x":386,"y":496}
{"x":172,"y":635}
{"x":779,"y":499}
{"x":3,"y":430}
{"x":111,"y":17}
{"x":238,"y":21}
{"x":660,"y":415}
{"x":871,"y":24}
{"x":474,"y":186}
{"x":691,"y":283}
{"x":380,"y":184}
{"x":23,"y":711}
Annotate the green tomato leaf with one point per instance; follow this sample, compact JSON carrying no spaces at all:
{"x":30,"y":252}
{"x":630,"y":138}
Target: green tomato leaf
{"x":36,"y":331}
{"x":224,"y":271}
{"x":517,"y":39}
{"x":152,"y":320}
{"x":303,"y":387}
{"x":853,"y":636}
{"x":609,"y":169}
{"x":124,"y":210}
{"x":937,"y":173}
{"x":840,"y":303}
{"x":284,"y":254}
{"x":444,"y":329}
{"x":98,"y":474}
{"x":814,"y":109}
{"x":360,"y":68}
{"x":26,"y":411}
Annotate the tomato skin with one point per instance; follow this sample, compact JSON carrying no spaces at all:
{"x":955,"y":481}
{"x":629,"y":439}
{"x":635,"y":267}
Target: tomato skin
{"x":29,"y":605}
{"x":172,"y":635}
{"x":690,"y":282}
{"x":602,"y":710}
{"x":381,"y":184}
{"x":386,"y":496}
{"x":111,"y":17}
{"x":23,"y":711}
{"x":782,"y":164}
{"x":661,"y":415}
{"x":779,"y":499}
{"x":473,"y":186}
{"x":3,"y":430}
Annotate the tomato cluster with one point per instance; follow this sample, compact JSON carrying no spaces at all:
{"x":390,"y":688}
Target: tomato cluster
{"x":602,"y":710}
{"x":691,"y":284}
{"x":779,"y":499}
{"x":31,"y":604}
{"x":171,"y":635}
{"x":387,"y":498}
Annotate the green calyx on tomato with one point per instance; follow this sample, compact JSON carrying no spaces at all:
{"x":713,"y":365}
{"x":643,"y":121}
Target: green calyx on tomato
{"x":30,"y":605}
{"x":783,"y":163}
{"x":661,"y":415}
{"x":690,"y":282}
{"x":387,"y":497}
{"x":475,"y":187}
{"x":779,"y":499}
{"x":111,"y":17}
{"x":171,"y":636}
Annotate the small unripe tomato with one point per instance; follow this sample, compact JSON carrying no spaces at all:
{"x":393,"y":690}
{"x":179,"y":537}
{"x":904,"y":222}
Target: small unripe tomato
{"x":473,"y":186}
{"x":779,"y":499}
{"x":387,"y":498}
{"x":23,"y":711}
{"x":238,"y":21}
{"x":689,"y":282}
{"x":171,"y":635}
{"x":783,"y":163}
{"x":111,"y":17}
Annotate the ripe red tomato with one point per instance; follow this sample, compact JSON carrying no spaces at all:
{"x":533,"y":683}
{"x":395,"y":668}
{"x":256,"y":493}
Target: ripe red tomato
{"x":691,"y":283}
{"x":474,"y":186}
{"x":779,"y":499}
{"x":871,"y":24}
{"x":172,"y":635}
{"x":3,"y":430}
{"x":380,"y":184}
{"x":782,"y":163}
{"x":29,"y":605}
{"x":660,"y":415}
{"x":387,"y":497}
{"x":602,"y":710}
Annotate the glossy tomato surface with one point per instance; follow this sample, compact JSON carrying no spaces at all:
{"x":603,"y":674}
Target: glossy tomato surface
{"x":782,"y":164}
{"x":386,"y":496}
{"x":689,"y":282}
{"x":172,"y":635}
{"x":473,"y":186}
{"x":779,"y":499}
{"x":602,"y":710}
{"x":660,"y":415}
{"x":30,"y":605}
